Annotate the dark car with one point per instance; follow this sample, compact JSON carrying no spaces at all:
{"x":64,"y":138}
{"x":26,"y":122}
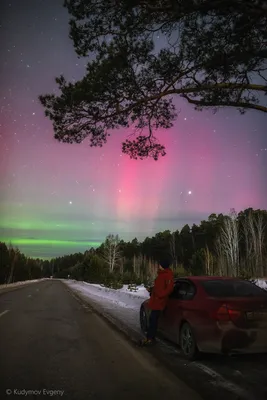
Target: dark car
{"x":214,"y":315}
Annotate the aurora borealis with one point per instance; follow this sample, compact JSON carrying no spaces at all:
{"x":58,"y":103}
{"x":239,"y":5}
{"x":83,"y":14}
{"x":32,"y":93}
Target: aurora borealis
{"x":58,"y":199}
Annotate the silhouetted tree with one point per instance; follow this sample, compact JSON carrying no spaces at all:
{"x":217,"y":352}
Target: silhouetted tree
{"x":214,"y":55}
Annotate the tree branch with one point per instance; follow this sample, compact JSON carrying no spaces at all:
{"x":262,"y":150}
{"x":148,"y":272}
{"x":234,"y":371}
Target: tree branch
{"x":183,"y":91}
{"x":193,"y":6}
{"x":226,"y":104}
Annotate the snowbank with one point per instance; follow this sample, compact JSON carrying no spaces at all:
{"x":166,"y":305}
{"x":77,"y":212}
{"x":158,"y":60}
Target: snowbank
{"x":10,"y":285}
{"x":262,"y":283}
{"x":120,"y":306}
{"x":123,"y":296}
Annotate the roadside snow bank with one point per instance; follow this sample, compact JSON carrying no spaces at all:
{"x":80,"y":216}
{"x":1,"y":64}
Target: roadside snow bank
{"x":262,"y":283}
{"x":10,"y":285}
{"x":123,"y":296}
{"x":120,"y":306}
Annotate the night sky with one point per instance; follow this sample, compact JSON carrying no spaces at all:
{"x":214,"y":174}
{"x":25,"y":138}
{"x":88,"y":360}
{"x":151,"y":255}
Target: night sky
{"x":60,"y":198}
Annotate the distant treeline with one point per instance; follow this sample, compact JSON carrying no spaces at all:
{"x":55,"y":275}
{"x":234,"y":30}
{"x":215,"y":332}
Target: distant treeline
{"x":230,"y":245}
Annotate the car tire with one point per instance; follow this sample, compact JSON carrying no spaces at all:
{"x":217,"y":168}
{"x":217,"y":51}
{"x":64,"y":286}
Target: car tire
{"x":143,"y":320}
{"x":188,"y":343}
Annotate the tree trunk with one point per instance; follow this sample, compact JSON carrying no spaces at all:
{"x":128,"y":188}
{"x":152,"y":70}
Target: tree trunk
{"x":230,"y":243}
{"x":134,"y":265}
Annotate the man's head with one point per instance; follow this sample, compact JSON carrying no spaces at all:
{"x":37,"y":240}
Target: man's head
{"x":164,"y":264}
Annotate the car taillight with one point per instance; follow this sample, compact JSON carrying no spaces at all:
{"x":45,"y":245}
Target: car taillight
{"x":224,"y":313}
{"x":234,"y":314}
{"x":221,"y":314}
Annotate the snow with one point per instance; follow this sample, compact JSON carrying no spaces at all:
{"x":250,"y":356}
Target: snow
{"x":123,"y":297}
{"x":120,"y":305}
{"x":123,"y":293}
{"x":10,"y":285}
{"x":262,"y":283}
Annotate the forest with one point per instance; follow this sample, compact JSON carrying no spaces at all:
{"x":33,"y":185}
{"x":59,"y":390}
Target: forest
{"x":223,"y":245}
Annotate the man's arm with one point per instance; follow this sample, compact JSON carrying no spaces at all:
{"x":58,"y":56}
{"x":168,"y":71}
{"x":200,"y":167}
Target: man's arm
{"x":166,"y":288}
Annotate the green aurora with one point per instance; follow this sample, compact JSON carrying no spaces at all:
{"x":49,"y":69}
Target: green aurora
{"x":46,"y":242}
{"x":38,"y":248}
{"x":46,"y":239}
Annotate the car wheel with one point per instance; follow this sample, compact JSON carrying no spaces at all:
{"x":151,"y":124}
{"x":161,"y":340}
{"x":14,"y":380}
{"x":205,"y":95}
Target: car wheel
{"x":143,"y":320}
{"x":188,"y":343}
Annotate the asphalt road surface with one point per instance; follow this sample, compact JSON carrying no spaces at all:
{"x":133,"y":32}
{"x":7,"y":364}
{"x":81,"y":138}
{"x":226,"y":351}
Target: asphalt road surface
{"x":53,"y":346}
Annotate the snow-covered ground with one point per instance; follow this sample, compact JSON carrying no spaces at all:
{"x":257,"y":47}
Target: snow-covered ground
{"x":10,"y":285}
{"x":120,"y":305}
{"x":124,"y":295}
{"x":262,"y":283}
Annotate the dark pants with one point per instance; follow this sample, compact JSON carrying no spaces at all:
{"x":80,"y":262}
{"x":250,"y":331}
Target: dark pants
{"x":153,"y":324}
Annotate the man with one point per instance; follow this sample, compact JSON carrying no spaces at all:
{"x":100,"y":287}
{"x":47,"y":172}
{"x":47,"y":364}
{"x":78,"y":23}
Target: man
{"x":163,"y":287}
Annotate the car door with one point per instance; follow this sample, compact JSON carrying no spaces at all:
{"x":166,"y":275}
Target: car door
{"x":169,"y":317}
{"x":177,"y":305}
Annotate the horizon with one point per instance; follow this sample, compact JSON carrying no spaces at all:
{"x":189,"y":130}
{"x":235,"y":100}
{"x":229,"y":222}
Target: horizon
{"x":80,"y":246}
{"x":53,"y":194}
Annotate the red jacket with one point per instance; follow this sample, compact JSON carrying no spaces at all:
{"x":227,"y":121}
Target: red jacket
{"x":163,"y":286}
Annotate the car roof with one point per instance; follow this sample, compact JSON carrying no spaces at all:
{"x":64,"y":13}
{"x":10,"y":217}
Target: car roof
{"x":206,"y":278}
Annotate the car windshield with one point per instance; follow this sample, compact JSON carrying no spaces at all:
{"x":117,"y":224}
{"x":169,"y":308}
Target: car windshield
{"x":232,"y":288}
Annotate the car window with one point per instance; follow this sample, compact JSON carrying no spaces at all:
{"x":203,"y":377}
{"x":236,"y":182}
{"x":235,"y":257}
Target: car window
{"x":174,"y":293}
{"x":232,"y":288}
{"x":183,"y":290}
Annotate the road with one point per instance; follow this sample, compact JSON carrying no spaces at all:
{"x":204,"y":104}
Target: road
{"x":51,"y":345}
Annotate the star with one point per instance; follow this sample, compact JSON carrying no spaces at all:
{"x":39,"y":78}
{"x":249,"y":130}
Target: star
{"x":70,"y":202}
